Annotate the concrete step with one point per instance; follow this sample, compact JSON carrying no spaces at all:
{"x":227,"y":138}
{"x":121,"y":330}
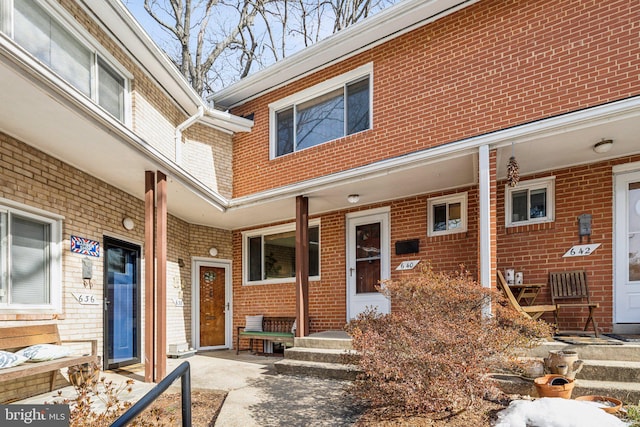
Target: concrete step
{"x":598,"y":370}
{"x":628,"y":392}
{"x":610,"y":370}
{"x":337,"y":371}
{"x":326,"y":355}
{"x":625,"y":352}
{"x":336,"y":340}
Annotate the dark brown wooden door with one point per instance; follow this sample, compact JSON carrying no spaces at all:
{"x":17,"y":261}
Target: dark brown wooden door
{"x":212,"y":302}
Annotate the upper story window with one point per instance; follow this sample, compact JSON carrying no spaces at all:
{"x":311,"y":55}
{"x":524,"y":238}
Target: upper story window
{"x":447,"y":214}
{"x":335,"y":108}
{"x":30,"y":261}
{"x":530,"y":202}
{"x":269,"y":255}
{"x":41,"y":32}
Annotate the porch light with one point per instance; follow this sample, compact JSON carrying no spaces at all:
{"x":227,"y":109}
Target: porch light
{"x":128,"y":223}
{"x":353,"y":198}
{"x":603,"y":146}
{"x":213,"y":251}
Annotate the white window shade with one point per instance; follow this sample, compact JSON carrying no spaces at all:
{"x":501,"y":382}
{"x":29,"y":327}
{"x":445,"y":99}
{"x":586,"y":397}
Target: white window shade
{"x":29,"y":261}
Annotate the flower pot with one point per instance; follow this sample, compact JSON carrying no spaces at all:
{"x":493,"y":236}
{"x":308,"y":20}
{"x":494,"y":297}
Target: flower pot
{"x":554,"y":386}
{"x":607,"y":404}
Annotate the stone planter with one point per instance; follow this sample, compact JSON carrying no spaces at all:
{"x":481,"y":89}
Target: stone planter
{"x":563,"y":362}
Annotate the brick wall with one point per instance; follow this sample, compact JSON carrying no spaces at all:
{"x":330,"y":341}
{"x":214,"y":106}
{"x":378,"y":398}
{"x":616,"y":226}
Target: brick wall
{"x":490,"y":66}
{"x":93,"y":209}
{"x":207,"y":152}
{"x":327,"y":297}
{"x":537,"y":250}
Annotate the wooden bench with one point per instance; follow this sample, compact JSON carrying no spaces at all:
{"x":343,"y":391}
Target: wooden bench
{"x":275,"y":329}
{"x":18,"y":337}
{"x":569,"y":289}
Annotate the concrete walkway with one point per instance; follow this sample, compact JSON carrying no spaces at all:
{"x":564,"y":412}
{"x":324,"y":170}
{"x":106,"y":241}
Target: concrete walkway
{"x":257,"y":395}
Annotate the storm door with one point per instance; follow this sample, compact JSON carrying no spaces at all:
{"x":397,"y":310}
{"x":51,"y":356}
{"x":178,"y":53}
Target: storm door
{"x":627,"y":253}
{"x":121,"y":303}
{"x":368,"y":261}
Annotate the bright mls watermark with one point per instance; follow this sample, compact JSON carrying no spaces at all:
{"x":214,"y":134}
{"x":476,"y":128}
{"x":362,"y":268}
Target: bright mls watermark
{"x":34,"y":415}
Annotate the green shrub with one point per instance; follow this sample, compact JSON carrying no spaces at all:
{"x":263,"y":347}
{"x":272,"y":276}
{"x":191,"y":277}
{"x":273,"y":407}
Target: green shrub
{"x":434,"y":350}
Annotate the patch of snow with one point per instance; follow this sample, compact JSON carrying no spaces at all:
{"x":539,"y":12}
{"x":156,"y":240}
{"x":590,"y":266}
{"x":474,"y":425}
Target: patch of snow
{"x":555,"y":412}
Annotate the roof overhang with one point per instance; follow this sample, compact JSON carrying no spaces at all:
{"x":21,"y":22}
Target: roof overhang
{"x":384,"y":26}
{"x":36,"y":103}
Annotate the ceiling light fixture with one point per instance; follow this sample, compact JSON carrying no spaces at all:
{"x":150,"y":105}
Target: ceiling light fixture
{"x":353,"y":198}
{"x":603,"y":146}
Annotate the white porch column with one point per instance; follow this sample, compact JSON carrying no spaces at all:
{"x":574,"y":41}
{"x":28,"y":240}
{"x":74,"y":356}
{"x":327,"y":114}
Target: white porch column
{"x":486,"y":220}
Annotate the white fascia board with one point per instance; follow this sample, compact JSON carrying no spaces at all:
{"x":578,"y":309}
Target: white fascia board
{"x":117,"y":20}
{"x":386,"y":25}
{"x":528,"y":131}
{"x":43,"y":76}
{"x":225,"y":121}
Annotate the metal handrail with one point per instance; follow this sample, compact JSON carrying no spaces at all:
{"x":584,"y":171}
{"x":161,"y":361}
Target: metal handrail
{"x":182,"y":371}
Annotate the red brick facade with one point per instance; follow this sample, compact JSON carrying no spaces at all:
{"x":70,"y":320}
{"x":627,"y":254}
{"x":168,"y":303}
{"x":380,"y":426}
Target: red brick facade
{"x":488,"y":67}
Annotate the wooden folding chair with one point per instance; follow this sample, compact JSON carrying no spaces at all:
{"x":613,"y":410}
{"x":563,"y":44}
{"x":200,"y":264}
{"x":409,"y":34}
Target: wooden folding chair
{"x":571,"y":286}
{"x":530,"y":311}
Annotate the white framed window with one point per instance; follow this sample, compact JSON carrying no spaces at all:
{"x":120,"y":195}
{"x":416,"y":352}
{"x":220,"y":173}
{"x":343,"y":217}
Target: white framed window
{"x":62,"y":45}
{"x":30,"y":260}
{"x":530,"y":202}
{"x":447,"y":214}
{"x":330,"y":110}
{"x":269,"y":254}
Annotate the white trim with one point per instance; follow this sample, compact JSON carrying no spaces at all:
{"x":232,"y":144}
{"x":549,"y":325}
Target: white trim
{"x":382,"y":215}
{"x":448,"y":200}
{"x":484,"y":193}
{"x":259,"y":232}
{"x":55,"y":260}
{"x":386,"y":25}
{"x":626,"y":167}
{"x":62,"y":17}
{"x":313,"y":92}
{"x":622,"y":176}
{"x":226,"y":264}
{"x":570,"y":121}
{"x":547,"y":183}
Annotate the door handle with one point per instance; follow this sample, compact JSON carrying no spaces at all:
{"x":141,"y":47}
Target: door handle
{"x":351,"y":270}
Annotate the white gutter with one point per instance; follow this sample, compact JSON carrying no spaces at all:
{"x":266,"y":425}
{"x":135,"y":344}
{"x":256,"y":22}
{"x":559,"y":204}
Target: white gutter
{"x":588,"y":117}
{"x":182,"y":126}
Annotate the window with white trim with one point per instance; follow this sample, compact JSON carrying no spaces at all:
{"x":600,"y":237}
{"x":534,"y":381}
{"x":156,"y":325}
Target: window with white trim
{"x":530,"y":202}
{"x":269,"y":254}
{"x":37,"y":28}
{"x":447,"y":214}
{"x":30,"y":261}
{"x":330,"y":110}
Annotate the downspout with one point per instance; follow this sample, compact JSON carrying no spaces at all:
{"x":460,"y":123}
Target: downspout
{"x":181,"y":127}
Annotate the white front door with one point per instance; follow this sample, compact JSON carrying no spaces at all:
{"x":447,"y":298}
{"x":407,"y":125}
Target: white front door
{"x":627,"y":248}
{"x":368,"y":260}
